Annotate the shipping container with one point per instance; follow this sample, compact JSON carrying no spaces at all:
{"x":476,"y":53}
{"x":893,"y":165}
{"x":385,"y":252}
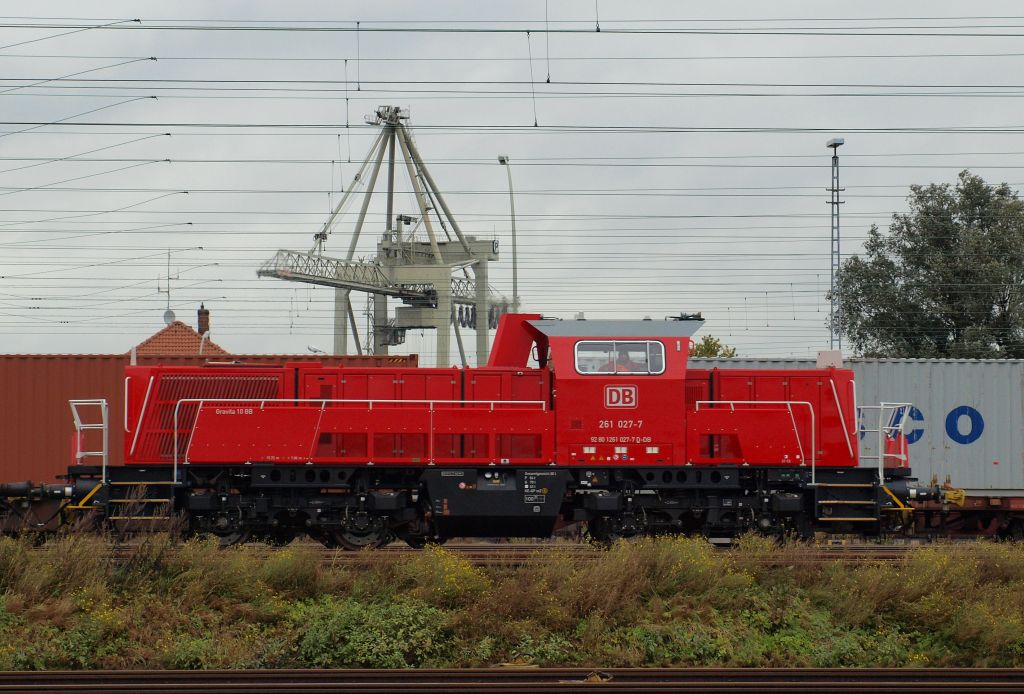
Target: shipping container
{"x":36,"y":428}
{"x":967,"y":419}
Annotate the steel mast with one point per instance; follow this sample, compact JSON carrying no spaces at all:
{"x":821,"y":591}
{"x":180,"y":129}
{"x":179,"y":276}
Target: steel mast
{"x":836,"y":258}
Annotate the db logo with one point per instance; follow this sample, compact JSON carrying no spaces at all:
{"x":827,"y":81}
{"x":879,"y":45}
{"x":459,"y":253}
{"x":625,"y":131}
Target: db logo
{"x":620,"y":396}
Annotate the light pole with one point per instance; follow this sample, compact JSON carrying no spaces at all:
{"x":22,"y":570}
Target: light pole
{"x":836,"y":338}
{"x":504,"y":161}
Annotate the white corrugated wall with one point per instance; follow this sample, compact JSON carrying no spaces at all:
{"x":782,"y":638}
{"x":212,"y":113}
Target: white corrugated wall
{"x":969,"y":417}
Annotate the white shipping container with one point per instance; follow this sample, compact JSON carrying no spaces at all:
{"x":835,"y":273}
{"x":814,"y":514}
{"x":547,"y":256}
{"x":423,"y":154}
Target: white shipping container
{"x":967,"y":419}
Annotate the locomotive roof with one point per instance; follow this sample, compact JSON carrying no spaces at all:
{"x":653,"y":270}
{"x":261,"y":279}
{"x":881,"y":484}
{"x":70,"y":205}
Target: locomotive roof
{"x":617,"y":328}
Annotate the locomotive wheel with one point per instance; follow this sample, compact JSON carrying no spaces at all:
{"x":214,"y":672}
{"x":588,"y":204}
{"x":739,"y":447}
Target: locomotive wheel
{"x":420,"y":533}
{"x":420,"y":541}
{"x":234,"y":538}
{"x":607,"y":529}
{"x":278,"y":538}
{"x":362,"y":531}
{"x":325,"y":537}
{"x":356,"y":540}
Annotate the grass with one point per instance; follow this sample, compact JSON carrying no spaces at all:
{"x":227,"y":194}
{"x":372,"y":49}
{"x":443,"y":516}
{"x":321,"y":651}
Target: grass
{"x":665,"y":602}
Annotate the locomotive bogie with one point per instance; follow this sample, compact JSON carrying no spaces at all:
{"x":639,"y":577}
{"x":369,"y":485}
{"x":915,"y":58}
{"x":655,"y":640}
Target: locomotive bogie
{"x":355,"y":507}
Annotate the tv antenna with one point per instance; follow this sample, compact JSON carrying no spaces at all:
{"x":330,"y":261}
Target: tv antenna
{"x":169,"y":315}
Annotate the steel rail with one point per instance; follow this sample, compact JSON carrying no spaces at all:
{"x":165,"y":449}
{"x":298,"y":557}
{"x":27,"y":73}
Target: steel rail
{"x":525,"y":679}
{"x":512,"y":556}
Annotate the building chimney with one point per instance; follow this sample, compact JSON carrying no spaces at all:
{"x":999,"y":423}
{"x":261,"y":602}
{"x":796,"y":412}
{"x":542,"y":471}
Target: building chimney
{"x":203,"y":325}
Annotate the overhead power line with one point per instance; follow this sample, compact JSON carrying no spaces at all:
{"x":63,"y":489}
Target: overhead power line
{"x":76,"y":30}
{"x":895,"y":30}
{"x":546,"y":161}
{"x":487,"y":59}
{"x":524,"y":129}
{"x":144,"y":82}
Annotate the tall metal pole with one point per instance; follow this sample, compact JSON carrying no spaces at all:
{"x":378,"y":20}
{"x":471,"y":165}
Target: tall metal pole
{"x":421,"y":167}
{"x":391,"y":179}
{"x":380,"y":301}
{"x":835,"y":337}
{"x":504,"y":161}
{"x":345,"y":196}
{"x":341,"y":296}
{"x":421,"y":199}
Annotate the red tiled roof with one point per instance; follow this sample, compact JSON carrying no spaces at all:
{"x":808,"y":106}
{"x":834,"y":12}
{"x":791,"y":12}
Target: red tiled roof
{"x":178,"y":339}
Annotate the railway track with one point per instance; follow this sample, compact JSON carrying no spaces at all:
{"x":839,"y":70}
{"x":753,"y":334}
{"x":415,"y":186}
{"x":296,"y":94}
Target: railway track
{"x":520,"y":679}
{"x":483,"y":554}
{"x":486,"y":554}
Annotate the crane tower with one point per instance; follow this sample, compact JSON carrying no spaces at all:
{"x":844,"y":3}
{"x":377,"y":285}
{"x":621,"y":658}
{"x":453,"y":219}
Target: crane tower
{"x":436,"y":272}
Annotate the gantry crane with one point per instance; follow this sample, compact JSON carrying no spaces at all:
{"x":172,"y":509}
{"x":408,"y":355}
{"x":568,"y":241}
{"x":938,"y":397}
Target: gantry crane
{"x":442,"y":281}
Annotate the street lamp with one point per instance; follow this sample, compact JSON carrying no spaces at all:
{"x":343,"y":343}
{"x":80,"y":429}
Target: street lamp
{"x":504,"y":161}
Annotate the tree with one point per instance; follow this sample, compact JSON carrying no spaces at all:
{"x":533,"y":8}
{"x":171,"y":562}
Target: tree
{"x":945,"y":281}
{"x":710,"y":346}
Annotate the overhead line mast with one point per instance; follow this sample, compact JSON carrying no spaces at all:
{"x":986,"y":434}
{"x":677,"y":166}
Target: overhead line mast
{"x":835,"y":336}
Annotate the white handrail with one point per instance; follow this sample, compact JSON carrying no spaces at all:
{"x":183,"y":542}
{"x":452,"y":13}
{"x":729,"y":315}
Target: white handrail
{"x":856,"y":416}
{"x":81,"y":426}
{"x":883,"y":429}
{"x":124,"y":403}
{"x":789,"y":405}
{"x":323,"y":403}
{"x":142,"y":413}
{"x":842,"y":418}
{"x":313,"y":440}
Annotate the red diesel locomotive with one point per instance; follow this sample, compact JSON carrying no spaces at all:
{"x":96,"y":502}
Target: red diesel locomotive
{"x":608,"y":427}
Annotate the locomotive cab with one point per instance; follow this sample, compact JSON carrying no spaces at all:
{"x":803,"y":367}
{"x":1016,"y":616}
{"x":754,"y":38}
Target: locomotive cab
{"x":618,"y":387}
{"x":623,"y":395}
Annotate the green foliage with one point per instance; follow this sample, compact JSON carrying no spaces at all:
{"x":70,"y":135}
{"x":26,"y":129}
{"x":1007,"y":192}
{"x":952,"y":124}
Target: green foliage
{"x":549,"y":650}
{"x":443,"y":578}
{"x":671,"y":645}
{"x":947,"y":280}
{"x":294,"y":571}
{"x":710,"y":346}
{"x":652,"y":602}
{"x":346,"y":633}
{"x":13,"y":555}
{"x":203,"y":570}
{"x":188,"y":652}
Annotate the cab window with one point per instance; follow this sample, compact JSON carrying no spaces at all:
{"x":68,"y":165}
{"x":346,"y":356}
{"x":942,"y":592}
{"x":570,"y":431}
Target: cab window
{"x":646,"y":357}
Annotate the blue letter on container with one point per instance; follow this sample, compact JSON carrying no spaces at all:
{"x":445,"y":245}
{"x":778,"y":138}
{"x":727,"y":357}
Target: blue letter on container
{"x":915,"y":434}
{"x":953,"y":422}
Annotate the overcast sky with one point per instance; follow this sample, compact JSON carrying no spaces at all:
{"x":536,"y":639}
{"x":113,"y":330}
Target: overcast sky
{"x":678,"y":163}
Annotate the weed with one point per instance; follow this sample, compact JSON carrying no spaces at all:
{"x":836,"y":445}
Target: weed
{"x":347,"y":633}
{"x":656,"y":602}
{"x":294,"y":571}
{"x":443,"y":578}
